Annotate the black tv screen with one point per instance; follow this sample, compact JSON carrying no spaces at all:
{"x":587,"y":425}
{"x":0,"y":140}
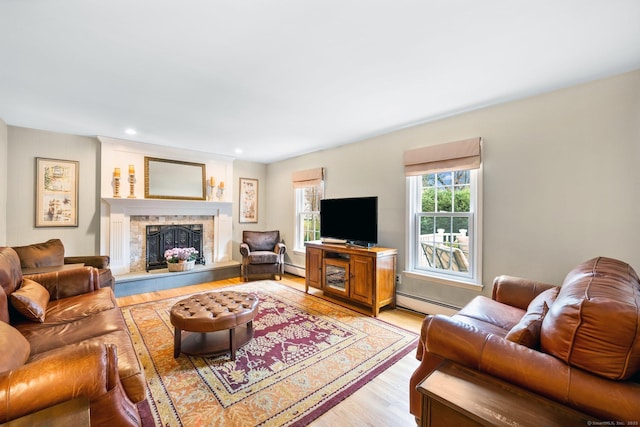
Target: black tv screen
{"x":353,"y":219}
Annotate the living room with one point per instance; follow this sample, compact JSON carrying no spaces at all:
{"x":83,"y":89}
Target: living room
{"x":578,"y":139}
{"x":559,"y":180}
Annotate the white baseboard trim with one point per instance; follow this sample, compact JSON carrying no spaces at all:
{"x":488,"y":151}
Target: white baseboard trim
{"x":423,"y":305}
{"x":294,"y":269}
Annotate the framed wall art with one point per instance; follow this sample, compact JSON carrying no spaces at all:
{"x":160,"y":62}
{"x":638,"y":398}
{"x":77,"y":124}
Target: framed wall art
{"x":56,"y":193}
{"x":248,"y":200}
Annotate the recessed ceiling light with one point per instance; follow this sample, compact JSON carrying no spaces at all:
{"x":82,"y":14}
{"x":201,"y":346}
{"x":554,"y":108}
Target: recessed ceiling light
{"x":238,"y":150}
{"x":130,"y":131}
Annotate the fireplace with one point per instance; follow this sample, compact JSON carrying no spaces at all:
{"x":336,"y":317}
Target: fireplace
{"x":123,"y":235}
{"x":163,"y":237}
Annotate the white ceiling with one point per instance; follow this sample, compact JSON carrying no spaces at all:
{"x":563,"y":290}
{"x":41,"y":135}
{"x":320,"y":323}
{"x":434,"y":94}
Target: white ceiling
{"x":280,"y":78}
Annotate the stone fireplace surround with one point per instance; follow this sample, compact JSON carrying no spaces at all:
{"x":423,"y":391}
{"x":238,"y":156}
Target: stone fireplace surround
{"x":116,"y":233}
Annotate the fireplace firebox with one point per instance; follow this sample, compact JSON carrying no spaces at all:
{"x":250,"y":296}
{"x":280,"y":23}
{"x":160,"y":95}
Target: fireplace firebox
{"x":163,"y":237}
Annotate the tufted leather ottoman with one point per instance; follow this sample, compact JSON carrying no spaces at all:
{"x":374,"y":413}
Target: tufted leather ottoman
{"x":208,"y":316}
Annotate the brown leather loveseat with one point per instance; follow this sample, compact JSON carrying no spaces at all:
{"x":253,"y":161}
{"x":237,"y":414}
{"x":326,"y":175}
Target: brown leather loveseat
{"x":62,"y":337}
{"x":50,"y":254}
{"x":578,"y":344}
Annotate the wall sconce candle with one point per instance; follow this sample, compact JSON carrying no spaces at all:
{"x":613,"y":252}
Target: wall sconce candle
{"x":219,"y":189}
{"x":116,"y":172}
{"x":131,"y":170}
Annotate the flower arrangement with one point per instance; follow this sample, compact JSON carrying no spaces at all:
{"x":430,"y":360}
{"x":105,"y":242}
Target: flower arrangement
{"x":180,"y":254}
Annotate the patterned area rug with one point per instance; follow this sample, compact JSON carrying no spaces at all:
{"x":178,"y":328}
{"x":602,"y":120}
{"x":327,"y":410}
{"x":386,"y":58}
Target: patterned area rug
{"x":307,"y":354}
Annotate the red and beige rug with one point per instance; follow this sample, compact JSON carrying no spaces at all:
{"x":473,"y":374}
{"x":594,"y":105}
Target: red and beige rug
{"x":307,"y":354}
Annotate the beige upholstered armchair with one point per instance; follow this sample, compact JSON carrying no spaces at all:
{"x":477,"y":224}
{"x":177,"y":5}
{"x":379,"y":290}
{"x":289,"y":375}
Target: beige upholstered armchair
{"x":262,"y":253}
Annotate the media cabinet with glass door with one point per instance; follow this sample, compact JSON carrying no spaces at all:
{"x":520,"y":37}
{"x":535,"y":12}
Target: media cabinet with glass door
{"x":362,"y":276}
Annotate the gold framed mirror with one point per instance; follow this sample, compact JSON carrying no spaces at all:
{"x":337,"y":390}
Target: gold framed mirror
{"x":174,"y":179}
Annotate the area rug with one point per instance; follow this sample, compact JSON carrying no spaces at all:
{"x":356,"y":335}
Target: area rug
{"x":307,"y":354}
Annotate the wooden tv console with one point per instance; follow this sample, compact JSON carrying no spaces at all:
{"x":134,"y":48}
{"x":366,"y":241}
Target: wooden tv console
{"x":362,"y":276}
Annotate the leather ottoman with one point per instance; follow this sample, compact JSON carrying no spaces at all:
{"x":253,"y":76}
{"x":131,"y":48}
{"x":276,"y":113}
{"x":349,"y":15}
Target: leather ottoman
{"x":208,"y":316}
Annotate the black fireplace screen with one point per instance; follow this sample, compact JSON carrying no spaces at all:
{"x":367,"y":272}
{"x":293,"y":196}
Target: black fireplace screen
{"x":163,"y":237}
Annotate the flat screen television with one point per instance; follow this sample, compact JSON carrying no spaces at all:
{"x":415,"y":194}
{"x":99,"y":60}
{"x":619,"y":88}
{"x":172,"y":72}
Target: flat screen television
{"x":351,"y":220}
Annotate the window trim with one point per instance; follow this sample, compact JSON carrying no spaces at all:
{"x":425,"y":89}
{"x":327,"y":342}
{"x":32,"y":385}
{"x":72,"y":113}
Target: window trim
{"x":414,"y":203}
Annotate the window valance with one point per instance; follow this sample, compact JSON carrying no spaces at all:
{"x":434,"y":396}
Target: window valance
{"x":451,"y":156}
{"x":308,"y":178}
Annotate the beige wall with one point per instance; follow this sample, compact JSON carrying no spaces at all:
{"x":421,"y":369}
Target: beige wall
{"x":4,"y":156}
{"x":560,"y":182}
{"x":244,"y":169}
{"x":24,"y":146}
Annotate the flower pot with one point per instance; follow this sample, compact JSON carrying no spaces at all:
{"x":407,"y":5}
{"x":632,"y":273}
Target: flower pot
{"x":181,"y":265}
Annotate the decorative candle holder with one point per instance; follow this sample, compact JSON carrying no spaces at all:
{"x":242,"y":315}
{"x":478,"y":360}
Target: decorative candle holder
{"x":116,"y":187}
{"x":132,"y":180}
{"x":116,"y":183}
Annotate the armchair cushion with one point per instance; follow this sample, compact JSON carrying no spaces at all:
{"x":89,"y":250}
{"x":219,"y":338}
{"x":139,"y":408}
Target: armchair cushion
{"x":263,"y":257}
{"x":47,"y":254}
{"x":31,"y":300}
{"x":261,"y":240}
{"x":15,"y":348}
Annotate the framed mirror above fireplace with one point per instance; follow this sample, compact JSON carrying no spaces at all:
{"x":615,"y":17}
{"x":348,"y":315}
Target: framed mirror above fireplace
{"x":174,"y":179}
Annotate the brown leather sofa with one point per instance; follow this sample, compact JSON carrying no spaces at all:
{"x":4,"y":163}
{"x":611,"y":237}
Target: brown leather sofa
{"x":262,"y":253}
{"x":62,"y":337}
{"x":47,"y":255}
{"x":578,"y":344}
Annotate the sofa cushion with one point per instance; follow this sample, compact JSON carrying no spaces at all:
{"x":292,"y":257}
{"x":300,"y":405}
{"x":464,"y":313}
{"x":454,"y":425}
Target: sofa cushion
{"x":15,"y":348}
{"x":594,"y":324}
{"x":527,"y":331}
{"x":47,"y":254}
{"x":490,"y":312}
{"x":31,"y":300}
{"x":76,"y":307}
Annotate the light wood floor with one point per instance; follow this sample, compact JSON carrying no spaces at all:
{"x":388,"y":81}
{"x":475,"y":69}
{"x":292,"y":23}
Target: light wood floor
{"x":383,"y":402}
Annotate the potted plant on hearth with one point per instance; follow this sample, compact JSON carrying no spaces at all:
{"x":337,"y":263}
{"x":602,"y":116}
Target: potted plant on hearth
{"x":180,"y":259}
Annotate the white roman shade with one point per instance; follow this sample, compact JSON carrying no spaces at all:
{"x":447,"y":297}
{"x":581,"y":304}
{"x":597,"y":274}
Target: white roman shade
{"x":458,"y":155}
{"x":308,"y":178}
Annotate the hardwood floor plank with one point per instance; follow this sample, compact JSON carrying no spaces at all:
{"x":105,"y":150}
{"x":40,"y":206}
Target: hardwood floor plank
{"x":383,"y":402}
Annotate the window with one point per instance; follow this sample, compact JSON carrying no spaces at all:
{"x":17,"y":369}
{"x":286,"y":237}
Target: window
{"x":444,"y":211}
{"x":444,"y":223}
{"x":308,"y":186}
{"x":307,"y":214}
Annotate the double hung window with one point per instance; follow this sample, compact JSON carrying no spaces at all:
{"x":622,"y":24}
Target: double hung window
{"x":308,"y":186}
{"x":444,"y":214}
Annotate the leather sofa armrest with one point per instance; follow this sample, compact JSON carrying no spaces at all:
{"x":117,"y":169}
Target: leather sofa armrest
{"x":516,"y":291}
{"x":63,"y":284}
{"x":244,"y":249}
{"x":89,"y":371}
{"x":97,"y":261}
